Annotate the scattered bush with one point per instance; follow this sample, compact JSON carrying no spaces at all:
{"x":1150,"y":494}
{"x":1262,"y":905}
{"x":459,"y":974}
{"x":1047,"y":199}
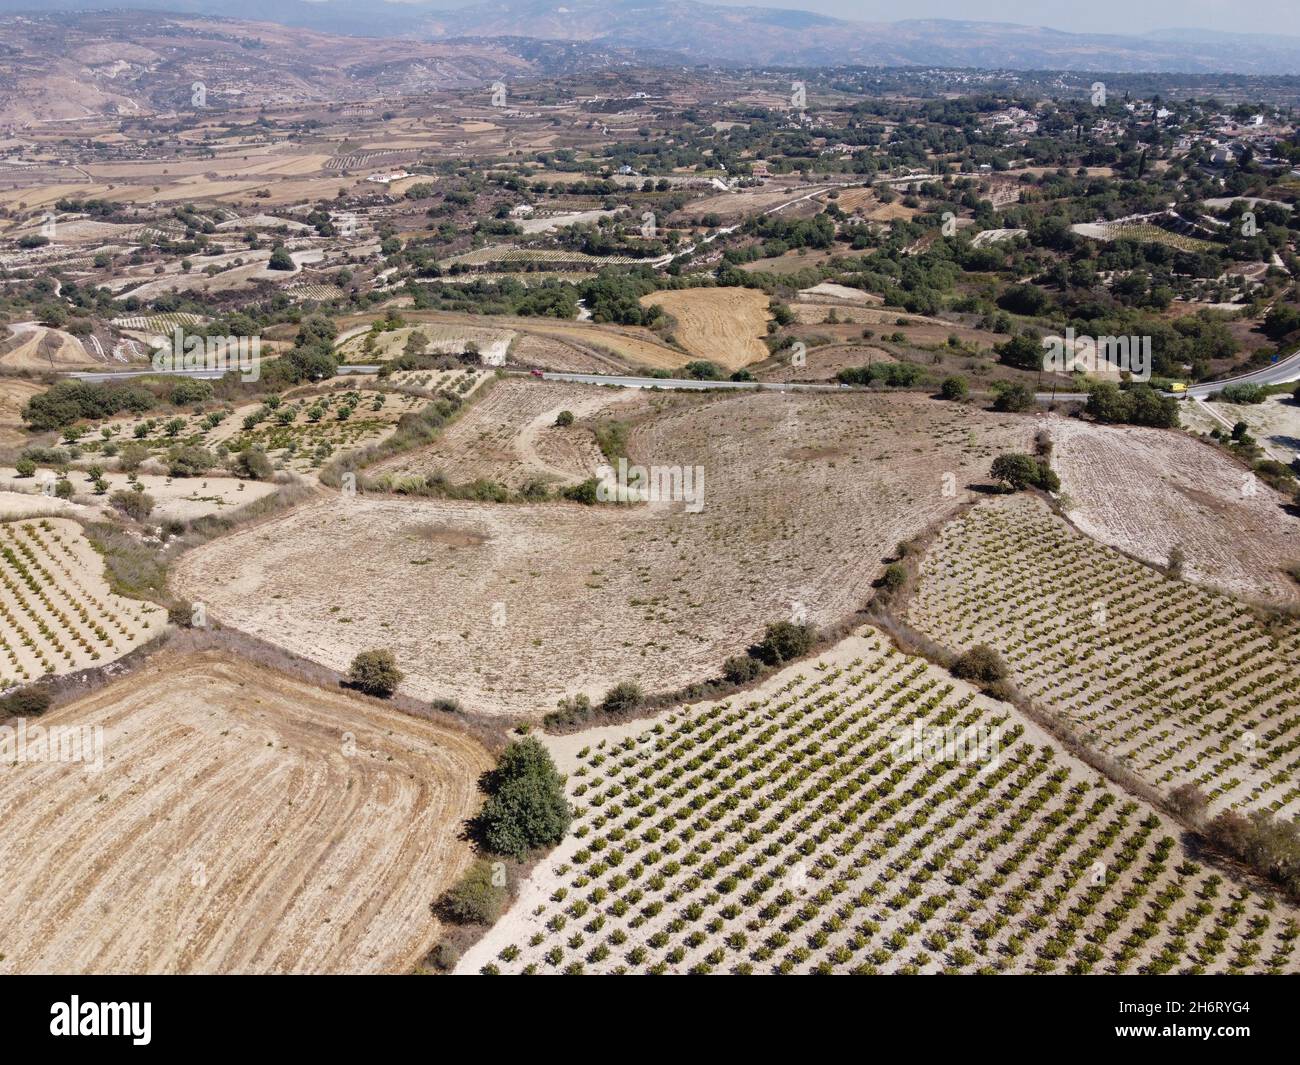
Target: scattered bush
{"x":1243,"y":393}
{"x":478,"y":898}
{"x":135,"y":505}
{"x":954,"y":387}
{"x":26,"y":702}
{"x":783,"y":641}
{"x":253,"y":464}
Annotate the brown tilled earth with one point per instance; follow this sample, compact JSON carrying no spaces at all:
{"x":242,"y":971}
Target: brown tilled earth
{"x":242,"y":821}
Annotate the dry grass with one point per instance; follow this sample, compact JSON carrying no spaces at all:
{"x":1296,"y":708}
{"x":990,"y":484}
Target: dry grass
{"x":243,"y":821}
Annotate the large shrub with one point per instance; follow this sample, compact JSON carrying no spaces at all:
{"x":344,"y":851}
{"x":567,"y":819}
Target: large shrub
{"x":135,"y":505}
{"x":477,"y":899}
{"x":375,"y":673}
{"x":783,"y":641}
{"x":526,"y":807}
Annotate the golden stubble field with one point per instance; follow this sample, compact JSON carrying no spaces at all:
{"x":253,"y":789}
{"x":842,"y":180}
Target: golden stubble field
{"x":509,"y":607}
{"x":242,"y":821}
{"x":725,"y":326}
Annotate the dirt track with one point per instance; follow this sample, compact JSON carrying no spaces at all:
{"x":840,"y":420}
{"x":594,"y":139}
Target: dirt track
{"x":243,"y":821}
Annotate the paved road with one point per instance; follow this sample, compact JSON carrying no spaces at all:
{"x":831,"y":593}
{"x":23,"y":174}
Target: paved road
{"x":1280,"y":372}
{"x":684,"y":383}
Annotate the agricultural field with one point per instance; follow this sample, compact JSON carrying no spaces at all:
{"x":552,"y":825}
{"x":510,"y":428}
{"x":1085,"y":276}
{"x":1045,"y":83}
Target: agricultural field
{"x":34,"y":347}
{"x":506,"y":257}
{"x":1147,"y":491}
{"x":59,"y":614}
{"x":799,"y":829}
{"x":1174,"y":683}
{"x":440,"y":338}
{"x":242,"y":821}
{"x":1144,"y":232}
{"x":724,"y":326}
{"x":461,"y":383}
{"x":803,"y":495}
{"x":299,"y":432}
{"x":14,"y":394}
{"x":509,"y":437}
{"x":175,"y":498}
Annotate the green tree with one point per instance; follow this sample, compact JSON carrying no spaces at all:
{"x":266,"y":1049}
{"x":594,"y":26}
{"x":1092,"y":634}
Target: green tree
{"x":375,"y":673}
{"x":526,"y":807}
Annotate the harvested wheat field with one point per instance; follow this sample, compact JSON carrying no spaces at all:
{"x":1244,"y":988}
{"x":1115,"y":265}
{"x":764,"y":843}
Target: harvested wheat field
{"x":242,"y":821}
{"x":726,"y":326}
{"x":1147,"y":491}
{"x":57,"y":611}
{"x":1174,"y":683}
{"x":509,"y":436}
{"x":509,"y":607}
{"x":797,"y":829}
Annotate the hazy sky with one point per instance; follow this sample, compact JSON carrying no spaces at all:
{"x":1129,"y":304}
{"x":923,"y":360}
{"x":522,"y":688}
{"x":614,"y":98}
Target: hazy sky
{"x":1093,"y":16}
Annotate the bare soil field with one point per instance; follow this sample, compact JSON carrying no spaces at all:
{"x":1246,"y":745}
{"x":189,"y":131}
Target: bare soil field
{"x":35,"y":347}
{"x":550,"y":353}
{"x":175,"y":498}
{"x":1275,"y":424}
{"x":797,"y":829}
{"x":510,"y":607}
{"x":723,"y":325}
{"x":510,"y":437}
{"x":14,"y":394}
{"x":242,"y":821}
{"x":822,"y":363}
{"x":612,"y":346}
{"x":1175,"y":683}
{"x":58,"y":613}
{"x":1146,"y":491}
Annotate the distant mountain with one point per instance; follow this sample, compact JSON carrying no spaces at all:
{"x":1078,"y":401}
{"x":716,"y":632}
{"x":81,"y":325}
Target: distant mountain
{"x":775,"y":37}
{"x":754,"y":36}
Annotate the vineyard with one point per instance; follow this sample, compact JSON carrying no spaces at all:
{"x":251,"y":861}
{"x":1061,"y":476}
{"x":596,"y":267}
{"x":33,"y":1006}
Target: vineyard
{"x":1147,"y":233}
{"x":59,"y":615}
{"x":1175,"y":683}
{"x":159,"y":323}
{"x":798,"y":830}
